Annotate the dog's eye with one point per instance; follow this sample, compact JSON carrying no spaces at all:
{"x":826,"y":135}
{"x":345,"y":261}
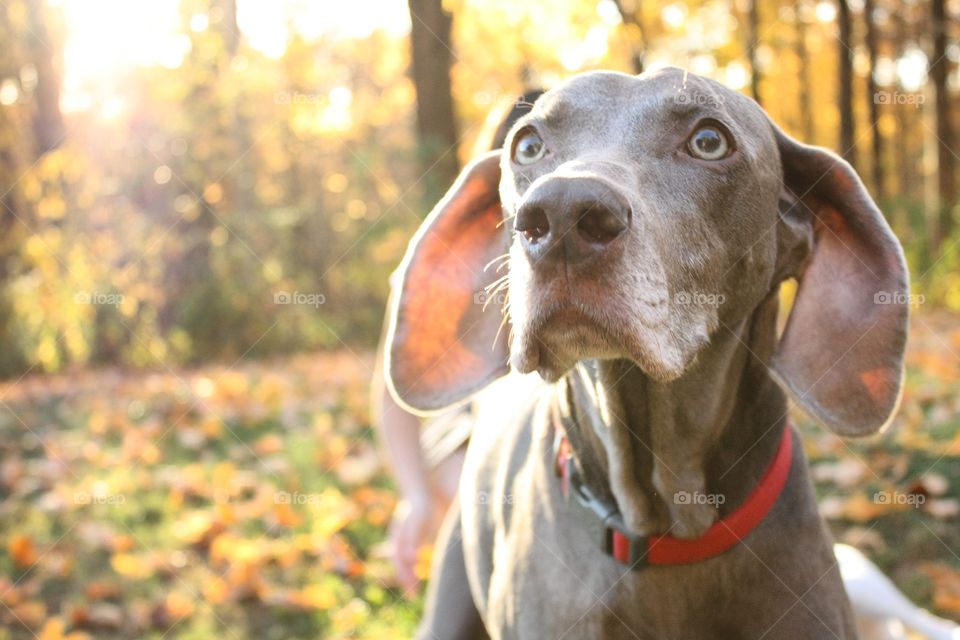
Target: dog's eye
{"x":708,"y":143}
{"x":528,"y":147}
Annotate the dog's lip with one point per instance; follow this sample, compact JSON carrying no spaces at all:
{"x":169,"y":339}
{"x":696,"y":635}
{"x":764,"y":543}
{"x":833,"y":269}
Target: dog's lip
{"x":541,"y":343}
{"x":568,"y":317}
{"x":565,"y":317}
{"x":566,"y":323}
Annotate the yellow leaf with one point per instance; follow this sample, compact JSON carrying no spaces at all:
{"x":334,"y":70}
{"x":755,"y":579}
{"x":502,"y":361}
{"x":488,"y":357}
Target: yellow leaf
{"x":122,"y":542}
{"x":269,"y":444}
{"x":179,"y":604}
{"x":130,"y":566}
{"x":211,"y":426}
{"x":216,"y":590}
{"x":424,"y":559}
{"x":316,"y":596}
{"x":860,"y":508}
{"x":286,"y":516}
{"x":51,"y":207}
{"x":224,"y":474}
{"x":213,"y":193}
{"x":351,"y":615}
{"x":194,"y":527}
{"x":52,"y":630}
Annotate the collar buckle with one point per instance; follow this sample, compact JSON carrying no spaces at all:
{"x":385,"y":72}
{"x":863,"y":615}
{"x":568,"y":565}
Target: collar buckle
{"x":615,"y":539}
{"x":623,"y":546}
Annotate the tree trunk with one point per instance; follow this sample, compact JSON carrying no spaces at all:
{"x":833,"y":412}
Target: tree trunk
{"x":48,"y":129}
{"x":904,"y":160}
{"x":845,"y":80}
{"x":879,"y":183}
{"x":436,"y":125}
{"x":753,"y":33}
{"x":800,"y":43}
{"x":230,"y":28}
{"x":631,"y":13}
{"x":946,"y":172}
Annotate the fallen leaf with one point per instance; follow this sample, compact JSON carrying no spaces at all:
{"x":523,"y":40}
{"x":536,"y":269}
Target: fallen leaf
{"x":53,"y":630}
{"x":179,"y":605}
{"x":131,"y":566}
{"x":316,"y":596}
{"x":22,"y":551}
{"x":31,"y":613}
{"x":216,"y":590}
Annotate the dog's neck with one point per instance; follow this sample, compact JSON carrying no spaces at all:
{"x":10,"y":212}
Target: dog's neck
{"x":711,"y":432}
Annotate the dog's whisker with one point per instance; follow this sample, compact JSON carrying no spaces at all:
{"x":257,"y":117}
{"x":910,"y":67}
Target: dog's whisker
{"x":504,"y":321}
{"x":497,"y":284}
{"x":502,"y":258}
{"x":494,"y":289}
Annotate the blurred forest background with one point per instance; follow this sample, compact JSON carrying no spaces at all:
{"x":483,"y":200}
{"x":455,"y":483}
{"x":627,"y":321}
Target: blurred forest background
{"x":201,"y":202}
{"x":169,"y":169}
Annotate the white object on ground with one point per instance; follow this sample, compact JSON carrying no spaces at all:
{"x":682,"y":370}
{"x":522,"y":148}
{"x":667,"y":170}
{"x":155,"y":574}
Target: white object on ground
{"x":881,"y":610}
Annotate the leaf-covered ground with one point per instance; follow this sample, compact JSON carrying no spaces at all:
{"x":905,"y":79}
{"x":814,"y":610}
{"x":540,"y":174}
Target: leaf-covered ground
{"x":248,"y":501}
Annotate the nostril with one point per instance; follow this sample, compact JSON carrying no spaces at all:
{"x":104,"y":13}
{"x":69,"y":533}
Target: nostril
{"x":532,"y":223}
{"x":599,"y":224}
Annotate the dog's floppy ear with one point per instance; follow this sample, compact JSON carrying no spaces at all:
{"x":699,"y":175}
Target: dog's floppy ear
{"x":444,"y":341}
{"x":841,"y":354}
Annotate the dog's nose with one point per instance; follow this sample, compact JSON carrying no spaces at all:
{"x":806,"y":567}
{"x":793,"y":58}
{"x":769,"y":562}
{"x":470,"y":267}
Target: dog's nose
{"x":571,"y":219}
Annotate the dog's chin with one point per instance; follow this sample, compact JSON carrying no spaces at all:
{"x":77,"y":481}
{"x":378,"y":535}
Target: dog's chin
{"x":557,"y":345}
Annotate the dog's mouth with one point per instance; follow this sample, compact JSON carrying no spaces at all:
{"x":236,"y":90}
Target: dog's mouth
{"x":559,"y":339}
{"x":552,"y":342}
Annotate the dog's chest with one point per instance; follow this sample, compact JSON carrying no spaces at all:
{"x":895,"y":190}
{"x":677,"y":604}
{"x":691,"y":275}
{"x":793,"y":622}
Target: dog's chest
{"x":535,"y":570}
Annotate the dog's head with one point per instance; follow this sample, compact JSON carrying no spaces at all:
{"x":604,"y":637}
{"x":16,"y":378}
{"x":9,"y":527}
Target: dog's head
{"x":634,"y":217}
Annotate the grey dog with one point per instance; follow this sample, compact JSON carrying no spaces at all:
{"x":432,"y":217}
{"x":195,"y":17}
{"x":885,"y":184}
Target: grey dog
{"x":641,"y":227}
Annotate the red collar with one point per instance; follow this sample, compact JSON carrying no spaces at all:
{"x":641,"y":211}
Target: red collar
{"x":638,"y":551}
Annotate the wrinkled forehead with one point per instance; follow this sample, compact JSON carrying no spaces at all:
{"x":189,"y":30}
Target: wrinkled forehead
{"x":604,"y":107}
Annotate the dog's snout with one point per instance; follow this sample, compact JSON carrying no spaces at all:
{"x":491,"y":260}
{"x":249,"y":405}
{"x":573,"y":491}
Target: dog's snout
{"x":571,"y":219}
